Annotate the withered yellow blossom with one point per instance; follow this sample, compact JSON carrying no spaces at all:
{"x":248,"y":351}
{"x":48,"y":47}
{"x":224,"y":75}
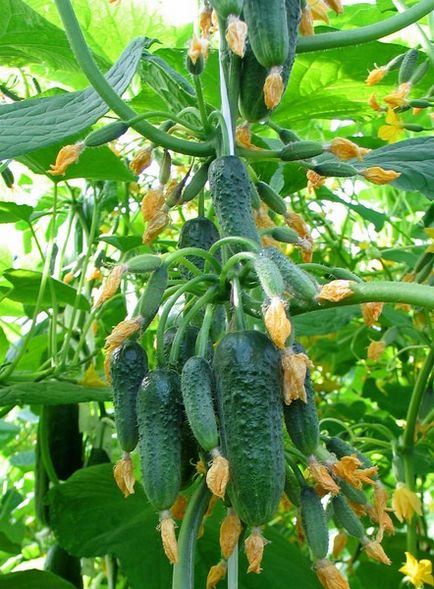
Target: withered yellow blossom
{"x":371,"y":312}
{"x":67,"y":156}
{"x":216,"y":574}
{"x":399,"y":96}
{"x":347,"y":468}
{"x":322,"y":476}
{"x":156,"y":225}
{"x":329,"y":576}
{"x":168,"y":536}
{"x":124,"y":475}
{"x":294,"y":373}
{"x":277,"y":323}
{"x":336,"y":291}
{"x":254,"y":546}
{"x":230,"y":531}
{"x":217,"y":476}
{"x":339,"y":543}
{"x":345,"y":149}
{"x":306,"y":22}
{"x":314,"y":180}
{"x":375,"y":349}
{"x":111,"y":284}
{"x":273,"y":87}
{"x":141,"y":161}
{"x":152,"y":202}
{"x":236,"y":35}
{"x":376,"y":75}
{"x":375,"y":551}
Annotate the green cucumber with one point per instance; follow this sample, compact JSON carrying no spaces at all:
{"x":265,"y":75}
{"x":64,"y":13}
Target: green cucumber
{"x":42,"y":484}
{"x":300,"y":150}
{"x":197,"y":394}
{"x":188,"y":344}
{"x":301,"y":419}
{"x":65,"y":442}
{"x":150,"y":301}
{"x":269,"y":276}
{"x":231,"y":196}
{"x":272,"y":199}
{"x":128,"y":366}
{"x":335,"y":169}
{"x":292,"y":487}
{"x":297,"y":282}
{"x":159,"y":418}
{"x":345,"y":518}
{"x":64,"y":565}
{"x":224,"y":8}
{"x":196,"y":184}
{"x":341,"y":448}
{"x":351,"y":493}
{"x":256,"y":199}
{"x":199,"y":232}
{"x":249,"y":387}
{"x":8,"y":177}
{"x":314,"y":522}
{"x":282,"y":234}
{"x":408,"y":65}
{"x":268,"y":31}
{"x":106,"y":134}
{"x":143,"y":264}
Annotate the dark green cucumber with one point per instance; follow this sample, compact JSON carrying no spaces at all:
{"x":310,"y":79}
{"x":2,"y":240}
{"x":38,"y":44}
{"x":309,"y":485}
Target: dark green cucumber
{"x":196,"y":184}
{"x":351,"y":493}
{"x":301,"y":419}
{"x":269,"y":276}
{"x":335,"y":169}
{"x":42,"y":484}
{"x":65,"y":442}
{"x":314,"y":522}
{"x":188,"y":344}
{"x":297,"y":282}
{"x":345,"y":518}
{"x":128,"y":366}
{"x":159,"y":418}
{"x":231,"y":196}
{"x":197,"y":394}
{"x":408,"y":65}
{"x":198,"y":232}
{"x":150,"y":301}
{"x":249,"y":387}
{"x":272,"y":199}
{"x":8,"y":177}
{"x":226,"y":7}
{"x":341,"y":448}
{"x":64,"y":565}
{"x":292,"y":487}
{"x":268,"y":31}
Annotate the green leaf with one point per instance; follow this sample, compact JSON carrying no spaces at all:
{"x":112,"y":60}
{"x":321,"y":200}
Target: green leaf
{"x":123,"y":243}
{"x":26,"y":285}
{"x":90,"y":517}
{"x":51,"y":392}
{"x":10,"y":212}
{"x":414,"y":158}
{"x":35,"y":123}
{"x":33,"y":579}
{"x":325,"y":321}
{"x":374,"y":217}
{"x":392,"y":397}
{"x":94,"y":164}
{"x":4,"y":344}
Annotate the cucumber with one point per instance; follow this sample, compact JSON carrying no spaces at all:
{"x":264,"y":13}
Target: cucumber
{"x":42,"y":484}
{"x":314,"y":522}
{"x":249,"y":386}
{"x":346,"y":518}
{"x":272,"y":199}
{"x":150,"y":301}
{"x":159,"y":420}
{"x":226,"y":7}
{"x":198,"y":232}
{"x":65,"y":442}
{"x":197,"y":394}
{"x":8,"y":177}
{"x":336,"y":169}
{"x":300,"y":150}
{"x":128,"y":366}
{"x":269,"y":276}
{"x":106,"y":134}
{"x":341,"y":448}
{"x":292,"y":487}
{"x":63,"y":564}
{"x":196,"y":184}
{"x":143,"y":264}
{"x":231,"y":196}
{"x":297,"y":282}
{"x":268,"y":31}
{"x":408,"y":65}
{"x":301,"y":419}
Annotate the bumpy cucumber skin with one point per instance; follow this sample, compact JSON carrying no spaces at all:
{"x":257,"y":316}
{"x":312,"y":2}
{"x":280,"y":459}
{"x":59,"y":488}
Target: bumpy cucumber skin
{"x":314,"y":521}
{"x":65,"y":441}
{"x":159,"y":419}
{"x":64,"y":565}
{"x":271,"y":198}
{"x":231,"y":195}
{"x":198,"y":232}
{"x":268,"y":32}
{"x":226,"y":7}
{"x":196,"y":184}
{"x":297,"y":282}
{"x":187,"y":345}
{"x":346,"y":518}
{"x":150,"y":301}
{"x":301,"y":419}
{"x":292,"y":487}
{"x":341,"y":448}
{"x":196,"y":387}
{"x":249,"y":382}
{"x":269,"y":276}
{"x":128,"y":366}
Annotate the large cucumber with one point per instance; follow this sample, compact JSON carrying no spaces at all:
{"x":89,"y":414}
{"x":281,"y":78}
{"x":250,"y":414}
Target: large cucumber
{"x":268,"y":31}
{"x":249,"y":388}
{"x":226,"y":7}
{"x":301,"y":418}
{"x":159,"y":419}
{"x":231,"y":196}
{"x":128,"y":366}
{"x":198,"y":232}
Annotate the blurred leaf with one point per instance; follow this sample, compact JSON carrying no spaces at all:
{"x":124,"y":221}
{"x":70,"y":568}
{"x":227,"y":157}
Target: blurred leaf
{"x":409,"y":255}
{"x":35,"y":123}
{"x":393,"y":397}
{"x":374,"y":217}
{"x":33,"y":579}
{"x":123,"y":243}
{"x":51,"y":392}
{"x":94,"y":164}
{"x":325,"y":321}
{"x":10,"y":212}
{"x":414,"y":158}
{"x":26,"y":285}
{"x":7,"y":431}
{"x":4,"y":344}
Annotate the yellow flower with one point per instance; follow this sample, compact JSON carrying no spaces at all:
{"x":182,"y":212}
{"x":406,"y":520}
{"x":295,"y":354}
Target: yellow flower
{"x":156,"y":225}
{"x":152,"y":202}
{"x":314,"y":180}
{"x":273,"y":87}
{"x":417,"y":572}
{"x":371,"y":312}
{"x":217,"y":476}
{"x":254,"y":546}
{"x":91,"y":378}
{"x":205,"y":22}
{"x":375,"y":551}
{"x":124,"y":475}
{"x":375,"y":349}
{"x":319,"y":10}
{"x":243,"y":137}
{"x":347,"y":468}
{"x":111,"y":284}
{"x":393,"y":129}
{"x":141,"y":161}
{"x":377,"y":175}
{"x":236,"y":35}
{"x":216,"y":574}
{"x":345,"y":149}
{"x":329,"y":576}
{"x":399,"y":96}
{"x":321,"y":475}
{"x":336,"y":291}
{"x":68,"y":155}
{"x":306,"y":22}
{"x":294,"y":373}
{"x":198,"y":47}
{"x":168,"y":536}
{"x":376,"y":75}
{"x":230,"y":531}
{"x":373,"y":103}
{"x":405,"y":503}
{"x":277,"y":323}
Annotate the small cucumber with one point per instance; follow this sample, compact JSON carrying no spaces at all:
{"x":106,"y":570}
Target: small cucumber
{"x":150,"y":301}
{"x":408,"y":65}
{"x":292,"y":487}
{"x":196,"y":184}
{"x":65,"y":442}
{"x":197,"y":394}
{"x":341,"y":448}
{"x":248,"y":376}
{"x":269,"y":276}
{"x":128,"y":366}
{"x":271,"y":198}
{"x":346,"y":518}
{"x":143,"y":264}
{"x":159,"y":419}
{"x":226,"y":7}
{"x":106,"y":134}
{"x":314,"y":522}
{"x":300,"y":150}
{"x":301,"y":418}
{"x":335,"y":169}
{"x":199,"y":232}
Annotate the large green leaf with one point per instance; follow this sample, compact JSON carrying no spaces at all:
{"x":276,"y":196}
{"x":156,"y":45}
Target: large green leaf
{"x":51,"y":392}
{"x":26,"y":285}
{"x":10,"y":212}
{"x":33,"y":579}
{"x":324,"y":321}
{"x":414,"y":158}
{"x":94,"y":164}
{"x":374,"y":217}
{"x":90,"y":517}
{"x":32,"y":124}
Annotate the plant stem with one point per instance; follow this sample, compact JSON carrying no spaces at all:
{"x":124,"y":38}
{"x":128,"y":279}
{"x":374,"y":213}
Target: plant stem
{"x":368,"y":33}
{"x":172,"y":257}
{"x":201,"y":103}
{"x":183,"y":571}
{"x":233,"y":569}
{"x":202,"y":338}
{"x":240,"y":322}
{"x":408,"y":440}
{"x":45,"y":450}
{"x":111,"y":98}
